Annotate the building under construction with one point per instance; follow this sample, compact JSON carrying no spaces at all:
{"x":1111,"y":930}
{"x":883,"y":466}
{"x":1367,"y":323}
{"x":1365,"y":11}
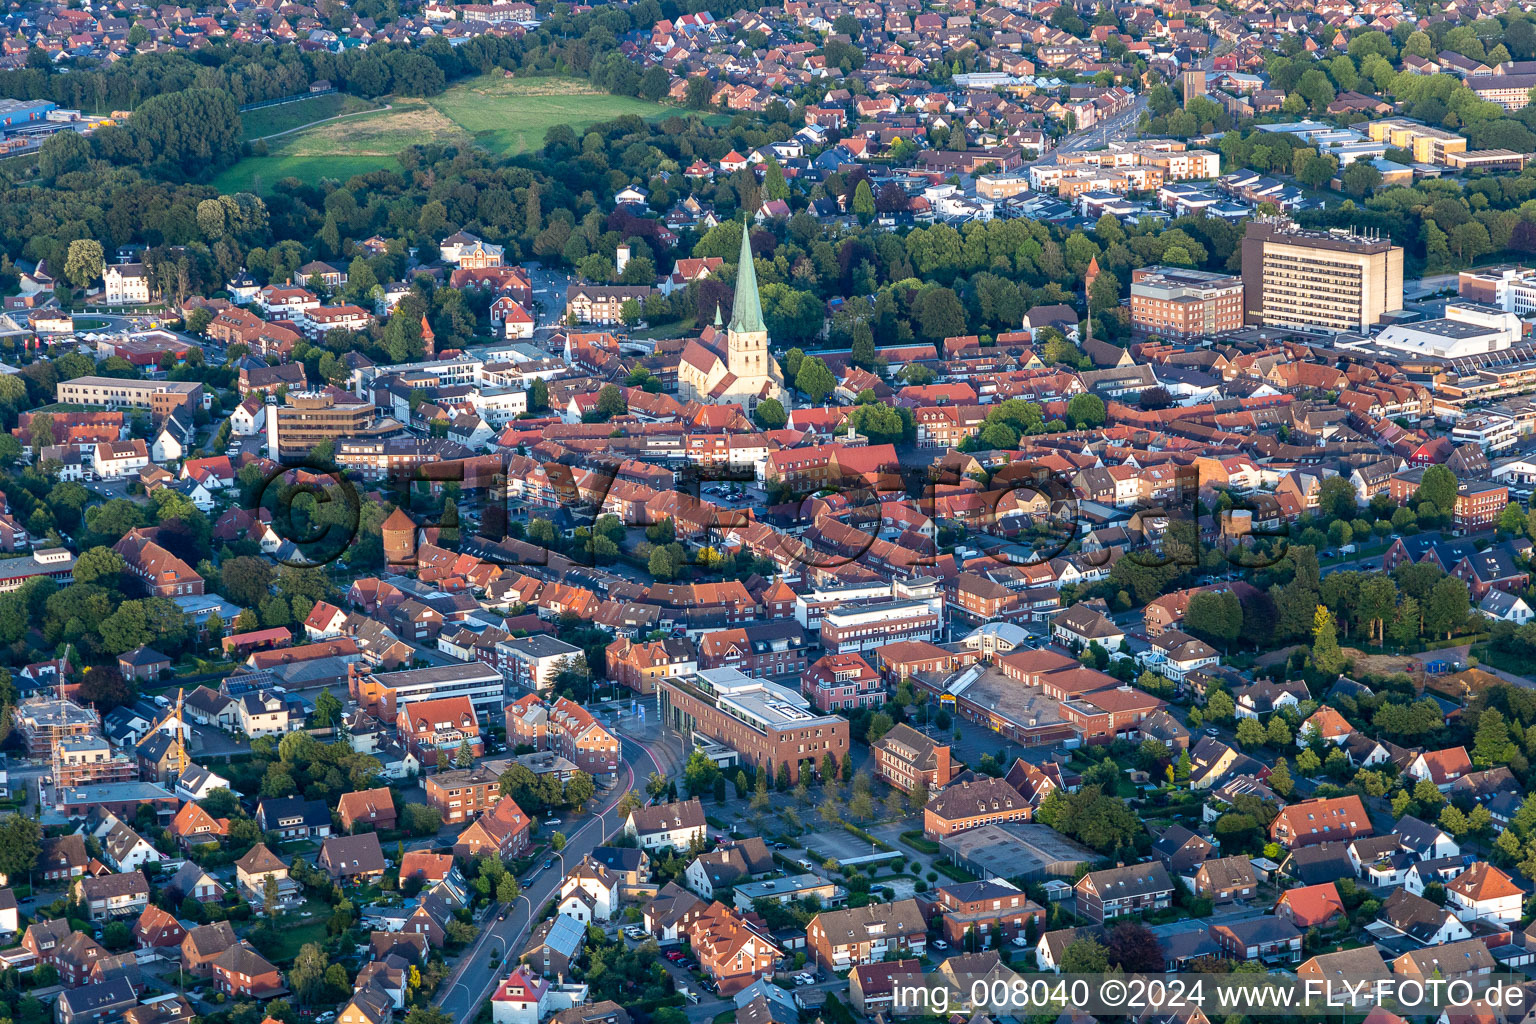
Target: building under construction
{"x":43,"y":721}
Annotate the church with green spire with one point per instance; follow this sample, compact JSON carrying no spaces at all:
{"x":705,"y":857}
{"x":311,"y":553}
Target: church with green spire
{"x":734,"y":364}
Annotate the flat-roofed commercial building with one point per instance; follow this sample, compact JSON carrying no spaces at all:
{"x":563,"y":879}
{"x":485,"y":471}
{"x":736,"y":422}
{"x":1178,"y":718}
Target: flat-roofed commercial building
{"x":1428,"y":145}
{"x":159,"y":397}
{"x":766,"y":724}
{"x":1467,"y":329}
{"x":1332,"y":281}
{"x":856,"y":627}
{"x":1172,"y":302}
{"x":384,"y":693}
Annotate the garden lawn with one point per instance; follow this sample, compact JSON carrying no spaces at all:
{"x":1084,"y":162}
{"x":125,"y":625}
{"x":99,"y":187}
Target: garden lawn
{"x":292,"y":935}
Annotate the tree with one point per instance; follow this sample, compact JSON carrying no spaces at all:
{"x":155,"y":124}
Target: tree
{"x":880,"y":723}
{"x":63,"y":153}
{"x":307,"y":976}
{"x":1280,"y":778}
{"x":863,"y":201}
{"x":610,"y":401}
{"x":1084,"y":956}
{"x":84,"y":262}
{"x":770,"y":414}
{"x":939,"y":314}
{"x":20,"y":837}
{"x":1448,"y":607}
{"x":1325,"y":642}
{"x":579,"y":788}
{"x":1182,"y":767}
{"x":814,"y":379}
{"x":1279,"y":732}
{"x":1491,"y":745}
{"x":99,"y":564}
{"x":1250,"y":733}
{"x":1513,"y":519}
{"x":246,"y":580}
{"x":1437,"y":485}
{"x":328,"y":709}
{"x":660,"y":564}
{"x":1133,"y":948}
{"x":269,"y":897}
{"x":1361,"y":178}
{"x":1219,"y":706}
{"x":1086,"y":410}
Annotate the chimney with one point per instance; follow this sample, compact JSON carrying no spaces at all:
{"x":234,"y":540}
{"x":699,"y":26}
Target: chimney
{"x":622,"y":259}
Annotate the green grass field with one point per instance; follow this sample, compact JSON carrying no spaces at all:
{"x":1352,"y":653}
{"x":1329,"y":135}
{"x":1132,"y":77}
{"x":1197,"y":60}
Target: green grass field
{"x":504,"y":115}
{"x":511,"y":115}
{"x":259,"y":174}
{"x":284,"y":117}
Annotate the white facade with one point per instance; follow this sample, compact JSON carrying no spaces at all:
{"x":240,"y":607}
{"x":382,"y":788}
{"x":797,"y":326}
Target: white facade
{"x":1467,"y":329}
{"x":125,"y":284}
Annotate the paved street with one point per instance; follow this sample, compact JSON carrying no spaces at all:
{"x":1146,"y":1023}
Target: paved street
{"x":474,"y":979}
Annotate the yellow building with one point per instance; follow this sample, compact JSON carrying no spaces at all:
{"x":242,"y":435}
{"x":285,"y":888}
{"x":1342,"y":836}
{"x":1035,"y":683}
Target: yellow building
{"x":1428,"y":145}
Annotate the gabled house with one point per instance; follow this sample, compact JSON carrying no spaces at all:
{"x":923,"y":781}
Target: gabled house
{"x":1116,"y":892}
{"x":355,"y":859}
{"x":676,"y":825}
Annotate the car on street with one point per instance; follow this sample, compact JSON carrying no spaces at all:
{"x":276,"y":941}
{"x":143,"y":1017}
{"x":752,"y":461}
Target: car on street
{"x":940,"y":944}
{"x":552,"y":821}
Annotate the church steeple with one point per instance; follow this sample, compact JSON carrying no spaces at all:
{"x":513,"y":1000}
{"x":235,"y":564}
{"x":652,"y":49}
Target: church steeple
{"x":747,"y":309}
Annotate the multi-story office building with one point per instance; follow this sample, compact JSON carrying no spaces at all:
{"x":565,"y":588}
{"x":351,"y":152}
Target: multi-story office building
{"x":1428,"y":145}
{"x":159,"y":397}
{"x":767,"y":724}
{"x":1510,"y":287}
{"x":1172,"y":302}
{"x":311,"y":418}
{"x":865,"y":626}
{"x":382,"y":694}
{"x":1332,"y":281}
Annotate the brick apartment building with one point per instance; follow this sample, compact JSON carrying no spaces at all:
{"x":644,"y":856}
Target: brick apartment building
{"x":904,"y":757}
{"x":462,"y":794}
{"x":968,"y":805}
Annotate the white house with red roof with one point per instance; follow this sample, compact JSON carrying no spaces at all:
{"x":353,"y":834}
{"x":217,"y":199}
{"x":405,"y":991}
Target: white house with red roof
{"x":686,"y":271}
{"x":511,"y":318}
{"x":733,"y":161}
{"x":520,"y":998}
{"x":1483,"y":892}
{"x":1442,"y":767}
{"x":1327,"y":723}
{"x":214,"y":473}
{"x":325,"y":620}
{"x":113,"y":460}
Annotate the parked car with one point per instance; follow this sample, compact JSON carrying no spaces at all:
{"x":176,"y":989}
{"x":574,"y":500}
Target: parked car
{"x":940,"y":944}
